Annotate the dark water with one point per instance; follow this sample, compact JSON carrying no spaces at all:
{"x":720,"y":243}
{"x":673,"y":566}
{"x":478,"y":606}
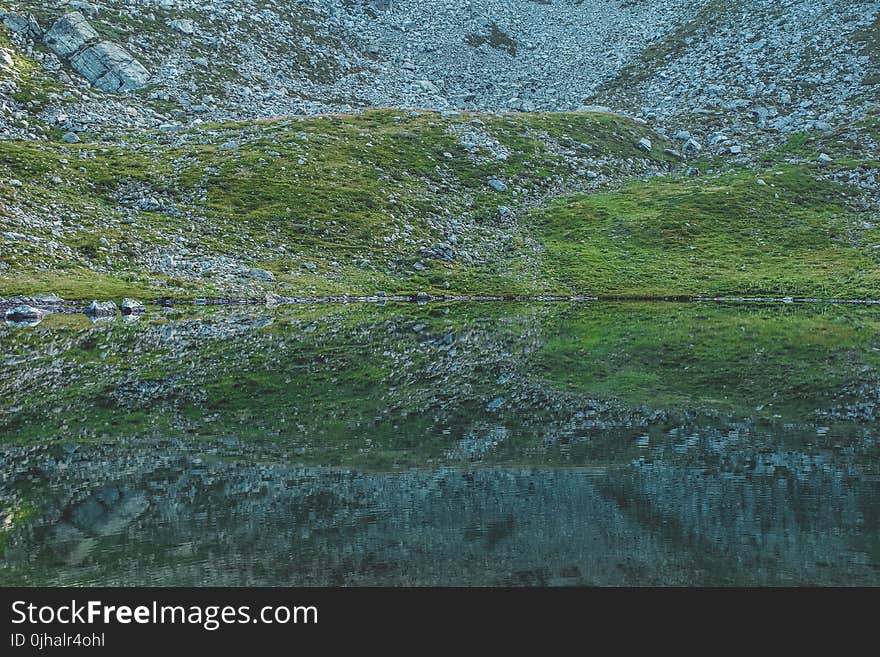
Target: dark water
{"x":533,"y":444}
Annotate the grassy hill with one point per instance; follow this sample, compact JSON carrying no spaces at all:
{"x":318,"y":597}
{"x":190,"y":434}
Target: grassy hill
{"x":404,"y":201}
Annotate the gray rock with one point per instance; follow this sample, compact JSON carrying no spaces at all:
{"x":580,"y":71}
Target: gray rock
{"x":148,"y":204}
{"x":70,"y":138}
{"x":101,"y":309}
{"x":183,"y":25}
{"x":69,"y":34}
{"x":497,"y":185}
{"x":601,"y":109}
{"x":24,"y":25}
{"x":495,"y":404}
{"x":132,"y":307}
{"x":84,"y":7}
{"x":824,"y":158}
{"x":691,"y":147}
{"x":262,"y":275}
{"x":644,"y":144}
{"x":16,"y":23}
{"x":110,"y":67}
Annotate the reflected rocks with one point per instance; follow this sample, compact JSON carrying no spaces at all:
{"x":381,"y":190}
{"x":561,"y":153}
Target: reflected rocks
{"x":101,"y":309}
{"x":514,"y":444}
{"x":107,"y":512}
{"x":24,"y":315}
{"x":22,"y":311}
{"x":132,"y":307}
{"x":182,"y":520}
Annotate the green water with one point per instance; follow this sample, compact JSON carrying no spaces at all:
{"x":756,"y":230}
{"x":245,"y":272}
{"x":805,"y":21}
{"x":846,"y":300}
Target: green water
{"x":491,"y":444}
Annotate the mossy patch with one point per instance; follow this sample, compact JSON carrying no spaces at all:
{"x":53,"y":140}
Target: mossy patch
{"x":725,"y":235}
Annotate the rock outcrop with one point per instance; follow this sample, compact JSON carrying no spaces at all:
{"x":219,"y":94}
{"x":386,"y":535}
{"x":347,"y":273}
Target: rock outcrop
{"x":105,"y":64}
{"x":25,"y":25}
{"x":69,"y":34}
{"x":23,"y":313}
{"x":110,"y":68}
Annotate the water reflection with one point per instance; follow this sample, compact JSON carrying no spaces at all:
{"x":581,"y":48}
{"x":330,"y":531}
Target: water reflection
{"x":535,"y":445}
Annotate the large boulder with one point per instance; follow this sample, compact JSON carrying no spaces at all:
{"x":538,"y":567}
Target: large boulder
{"x":109,"y":67}
{"x":69,"y":34}
{"x":106,"y":65}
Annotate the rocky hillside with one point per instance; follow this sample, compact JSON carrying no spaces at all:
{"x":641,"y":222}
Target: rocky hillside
{"x":403,"y":202}
{"x":233,"y":434}
{"x":181,"y":148}
{"x":757,"y":70}
{"x":261,"y":58}
{"x":744,"y":66}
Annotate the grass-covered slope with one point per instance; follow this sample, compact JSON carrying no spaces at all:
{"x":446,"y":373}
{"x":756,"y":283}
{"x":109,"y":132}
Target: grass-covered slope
{"x":406,"y":201}
{"x":779,"y":232}
{"x":403,"y":385}
{"x":340,"y":204}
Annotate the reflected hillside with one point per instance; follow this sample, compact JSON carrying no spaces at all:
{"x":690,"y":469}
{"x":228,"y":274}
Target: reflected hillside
{"x":500,"y":444}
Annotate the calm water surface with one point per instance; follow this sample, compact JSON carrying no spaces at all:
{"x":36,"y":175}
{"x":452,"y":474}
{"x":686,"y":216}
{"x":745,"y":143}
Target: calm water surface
{"x":496,"y":444}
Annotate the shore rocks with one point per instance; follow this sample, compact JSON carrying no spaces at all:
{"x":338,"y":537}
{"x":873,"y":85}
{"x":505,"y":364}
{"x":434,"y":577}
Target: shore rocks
{"x":132,"y":307}
{"x":262,"y":275}
{"x":101,"y":309}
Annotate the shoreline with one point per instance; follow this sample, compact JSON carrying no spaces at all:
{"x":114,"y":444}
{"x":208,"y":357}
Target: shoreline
{"x":74,"y":306}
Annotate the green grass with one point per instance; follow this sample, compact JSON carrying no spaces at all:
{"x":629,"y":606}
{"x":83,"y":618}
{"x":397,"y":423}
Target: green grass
{"x":75,"y":284}
{"x":726,"y":235}
{"x":33,"y":84}
{"x":348,"y":204}
{"x":357,"y":196}
{"x":761,"y":361}
{"x":357,"y":385}
{"x":15,"y":517}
